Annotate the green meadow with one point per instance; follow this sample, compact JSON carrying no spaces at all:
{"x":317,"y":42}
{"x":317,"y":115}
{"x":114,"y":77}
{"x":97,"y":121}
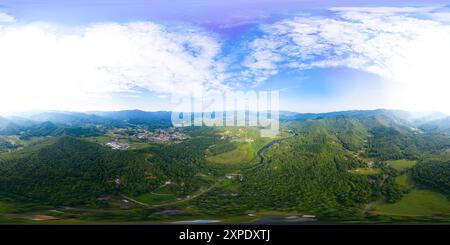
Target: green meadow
{"x":405,"y":181}
{"x":402,"y":164}
{"x":242,"y":154}
{"x":417,"y":202}
{"x":366,"y":171}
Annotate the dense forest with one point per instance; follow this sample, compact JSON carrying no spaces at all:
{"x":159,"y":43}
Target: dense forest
{"x":70,"y":171}
{"x":308,"y":173}
{"x":434,"y":172}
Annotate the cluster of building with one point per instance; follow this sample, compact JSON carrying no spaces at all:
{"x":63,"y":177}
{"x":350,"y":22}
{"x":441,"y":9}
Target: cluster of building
{"x":117,"y":145}
{"x":161,"y":135}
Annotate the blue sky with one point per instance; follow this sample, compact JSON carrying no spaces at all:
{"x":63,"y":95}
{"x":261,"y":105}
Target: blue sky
{"x":321,"y":55}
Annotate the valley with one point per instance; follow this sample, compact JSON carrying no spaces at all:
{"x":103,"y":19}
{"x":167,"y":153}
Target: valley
{"x":133,"y":167}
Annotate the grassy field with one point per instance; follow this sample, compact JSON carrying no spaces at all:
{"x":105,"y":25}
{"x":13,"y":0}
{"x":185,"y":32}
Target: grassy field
{"x":5,"y":207}
{"x":405,"y":181}
{"x":401,"y":164}
{"x":137,"y":146}
{"x":154,"y":198}
{"x":247,"y":141}
{"x":160,"y":195}
{"x":241,"y":154}
{"x":366,"y":171}
{"x":417,"y":202}
{"x":99,"y":139}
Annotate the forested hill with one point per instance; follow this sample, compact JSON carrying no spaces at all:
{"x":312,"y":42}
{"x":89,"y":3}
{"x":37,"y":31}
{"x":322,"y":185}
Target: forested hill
{"x":96,"y":123}
{"x":67,"y":170}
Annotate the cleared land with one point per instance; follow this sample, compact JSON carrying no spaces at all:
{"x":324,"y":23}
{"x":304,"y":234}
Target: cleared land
{"x":401,"y":164}
{"x":366,"y":171}
{"x":247,"y":142}
{"x":417,"y":202}
{"x":163,"y":194}
{"x":155,"y":198}
{"x":241,"y":154}
{"x":405,"y":181}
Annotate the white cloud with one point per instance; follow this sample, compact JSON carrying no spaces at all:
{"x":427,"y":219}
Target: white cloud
{"x":261,"y":63}
{"x":6,"y":18}
{"x":441,"y":16}
{"x":413,"y":52}
{"x":43,"y":66}
{"x":385,"y":10}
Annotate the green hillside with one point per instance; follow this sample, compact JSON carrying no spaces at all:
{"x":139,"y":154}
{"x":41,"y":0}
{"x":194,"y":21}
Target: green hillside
{"x":71,"y":171}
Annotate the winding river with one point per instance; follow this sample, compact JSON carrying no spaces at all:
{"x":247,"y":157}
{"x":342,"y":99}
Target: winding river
{"x":265,"y":148}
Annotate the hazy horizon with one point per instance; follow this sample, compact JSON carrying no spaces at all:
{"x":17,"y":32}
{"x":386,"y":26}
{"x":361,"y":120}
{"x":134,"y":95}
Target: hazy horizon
{"x":36,"y":112}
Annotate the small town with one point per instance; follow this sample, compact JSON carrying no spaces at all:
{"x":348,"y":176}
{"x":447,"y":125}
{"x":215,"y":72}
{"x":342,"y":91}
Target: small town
{"x":161,"y":135}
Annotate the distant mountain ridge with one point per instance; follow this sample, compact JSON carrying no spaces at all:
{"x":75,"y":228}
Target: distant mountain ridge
{"x":365,"y":113}
{"x":64,"y":116}
{"x":54,"y":119}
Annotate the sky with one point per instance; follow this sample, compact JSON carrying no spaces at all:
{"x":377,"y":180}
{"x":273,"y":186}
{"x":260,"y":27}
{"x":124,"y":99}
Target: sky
{"x":321,"y":55}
